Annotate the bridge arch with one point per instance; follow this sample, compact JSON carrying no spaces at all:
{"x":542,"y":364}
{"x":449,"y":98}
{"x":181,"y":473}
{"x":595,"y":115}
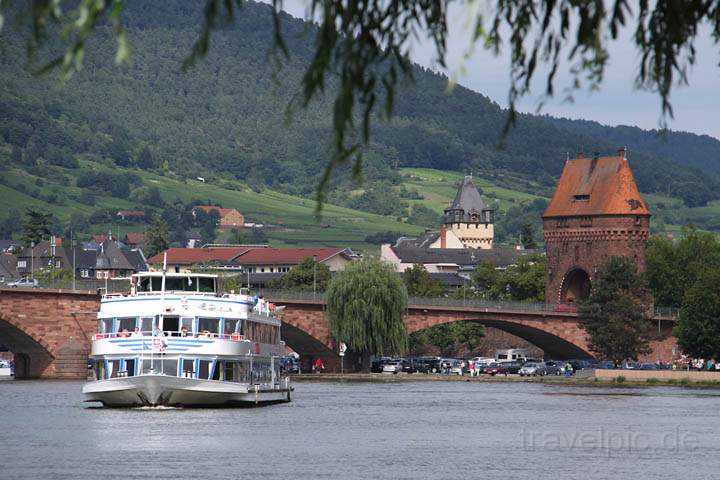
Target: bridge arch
{"x":32,"y":357}
{"x":554,"y":346}
{"x":559,"y":337}
{"x":307,"y":346}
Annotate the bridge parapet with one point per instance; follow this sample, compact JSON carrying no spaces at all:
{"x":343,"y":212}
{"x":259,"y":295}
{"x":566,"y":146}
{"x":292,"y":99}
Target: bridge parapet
{"x":471,"y":304}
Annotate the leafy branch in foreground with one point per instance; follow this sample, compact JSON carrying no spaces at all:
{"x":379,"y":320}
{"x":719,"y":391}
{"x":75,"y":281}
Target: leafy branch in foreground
{"x":365,"y":45}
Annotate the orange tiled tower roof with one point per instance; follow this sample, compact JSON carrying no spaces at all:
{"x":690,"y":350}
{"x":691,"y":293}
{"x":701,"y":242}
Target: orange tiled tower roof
{"x":596,"y":186}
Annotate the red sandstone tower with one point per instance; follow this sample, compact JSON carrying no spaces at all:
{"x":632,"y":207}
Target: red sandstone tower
{"x":596,"y":212}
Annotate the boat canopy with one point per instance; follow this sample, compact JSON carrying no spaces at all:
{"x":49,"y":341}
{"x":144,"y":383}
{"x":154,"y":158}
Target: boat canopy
{"x":176,"y":282}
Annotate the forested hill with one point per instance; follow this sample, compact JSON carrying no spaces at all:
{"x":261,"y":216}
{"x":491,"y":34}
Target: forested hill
{"x":227,"y":116}
{"x":700,"y":151}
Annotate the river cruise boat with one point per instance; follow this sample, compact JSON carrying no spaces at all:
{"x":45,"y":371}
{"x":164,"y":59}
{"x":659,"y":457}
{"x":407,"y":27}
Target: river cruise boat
{"x":175,"y":340}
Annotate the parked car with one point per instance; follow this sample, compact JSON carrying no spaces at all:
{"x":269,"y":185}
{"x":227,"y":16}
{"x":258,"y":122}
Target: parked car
{"x":434,"y":366}
{"x":24,"y":283}
{"x":513,"y":367}
{"x":553,"y":367}
{"x":534,"y":369}
{"x":481,"y":362}
{"x":393,"y":366}
{"x":377,"y":365}
{"x":495,"y":369}
{"x":423,"y":364}
{"x":408,"y":366}
{"x":458,"y":367}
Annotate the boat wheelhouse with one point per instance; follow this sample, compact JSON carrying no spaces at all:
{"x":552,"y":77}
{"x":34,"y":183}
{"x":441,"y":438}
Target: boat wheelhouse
{"x":175,"y":340}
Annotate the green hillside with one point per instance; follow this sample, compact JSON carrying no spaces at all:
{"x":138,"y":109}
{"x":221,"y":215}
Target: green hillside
{"x":151,"y":125}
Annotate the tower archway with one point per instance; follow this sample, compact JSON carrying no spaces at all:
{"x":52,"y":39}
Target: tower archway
{"x":575,"y":286}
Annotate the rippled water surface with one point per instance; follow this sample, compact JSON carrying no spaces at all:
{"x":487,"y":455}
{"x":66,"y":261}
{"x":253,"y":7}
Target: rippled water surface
{"x":406,"y":430}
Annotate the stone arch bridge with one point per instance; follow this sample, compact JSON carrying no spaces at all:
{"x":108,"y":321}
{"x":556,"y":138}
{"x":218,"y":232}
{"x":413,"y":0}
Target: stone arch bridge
{"x":306,"y":330}
{"x":49,"y":330}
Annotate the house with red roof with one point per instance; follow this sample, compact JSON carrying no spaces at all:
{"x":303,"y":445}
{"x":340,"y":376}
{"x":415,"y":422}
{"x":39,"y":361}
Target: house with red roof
{"x":281,"y":260}
{"x":229,"y":217}
{"x":134,"y":239}
{"x":211,"y":258}
{"x":250,"y":258}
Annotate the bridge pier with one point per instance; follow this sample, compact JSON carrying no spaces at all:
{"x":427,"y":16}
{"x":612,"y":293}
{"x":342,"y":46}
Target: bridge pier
{"x":48,"y":331}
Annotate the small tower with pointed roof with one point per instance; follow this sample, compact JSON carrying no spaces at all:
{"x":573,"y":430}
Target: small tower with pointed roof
{"x":596,"y":212}
{"x":467,"y":221}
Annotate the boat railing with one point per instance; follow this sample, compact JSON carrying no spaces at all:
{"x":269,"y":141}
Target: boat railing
{"x":171,"y":292}
{"x":236,"y":337}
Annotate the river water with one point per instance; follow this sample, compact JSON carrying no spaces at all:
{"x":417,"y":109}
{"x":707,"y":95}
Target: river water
{"x":404,"y":430}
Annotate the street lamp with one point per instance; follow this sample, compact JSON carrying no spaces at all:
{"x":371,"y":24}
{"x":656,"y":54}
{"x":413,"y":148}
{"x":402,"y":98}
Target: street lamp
{"x":32,"y":260}
{"x":72,"y":245}
{"x":314,"y":276}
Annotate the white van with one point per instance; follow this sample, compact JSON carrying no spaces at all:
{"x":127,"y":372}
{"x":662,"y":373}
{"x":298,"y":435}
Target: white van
{"x":510,"y":354}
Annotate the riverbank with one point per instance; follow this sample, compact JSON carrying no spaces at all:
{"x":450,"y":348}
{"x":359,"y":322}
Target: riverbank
{"x":619,"y":378}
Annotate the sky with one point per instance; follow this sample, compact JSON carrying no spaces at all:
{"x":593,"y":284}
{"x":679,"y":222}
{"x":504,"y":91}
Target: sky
{"x":617,"y":102}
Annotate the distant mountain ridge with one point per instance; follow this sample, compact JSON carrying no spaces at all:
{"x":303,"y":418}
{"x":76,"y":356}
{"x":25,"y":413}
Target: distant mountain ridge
{"x":683,"y":148}
{"x":227,"y":116}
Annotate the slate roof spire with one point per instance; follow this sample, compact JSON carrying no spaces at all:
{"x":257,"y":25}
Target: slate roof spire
{"x":468,"y":207}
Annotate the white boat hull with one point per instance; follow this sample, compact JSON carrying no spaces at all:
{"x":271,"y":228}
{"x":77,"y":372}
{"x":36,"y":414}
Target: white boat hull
{"x":162,"y":390}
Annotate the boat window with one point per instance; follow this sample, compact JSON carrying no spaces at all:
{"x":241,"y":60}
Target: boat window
{"x":204,"y":369}
{"x":229,"y":369}
{"x":261,"y":371}
{"x":145,"y":284}
{"x":230,"y":326}
{"x":189,"y":324}
{"x":168,"y":366}
{"x":206,"y":284}
{"x":99,"y":370}
{"x":105,"y":325}
{"x":171,"y":326}
{"x":126,"y":324}
{"x":188,"y":368}
{"x":242,"y":371}
{"x":211,"y":325}
{"x":130,"y":367}
{"x":174,"y":283}
{"x":151,"y":366}
{"x":115,"y":370}
{"x":147,"y":324}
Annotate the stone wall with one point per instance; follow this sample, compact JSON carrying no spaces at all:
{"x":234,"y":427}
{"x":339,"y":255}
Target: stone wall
{"x":587,"y":242}
{"x":49,"y":331}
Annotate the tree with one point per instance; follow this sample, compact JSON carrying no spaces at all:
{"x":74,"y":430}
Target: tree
{"x":365,"y":307}
{"x":451,"y":339}
{"x":308,"y":275}
{"x":11,"y":225}
{"x":366,"y":47}
{"x":672,"y":267}
{"x":525,"y":281}
{"x":615,"y":313}
{"x":146,"y":160}
{"x":36,"y":226}
{"x":485,"y":278}
{"x":698,"y":327}
{"x":419,"y":283}
{"x":528,"y":236}
{"x":156,"y":237}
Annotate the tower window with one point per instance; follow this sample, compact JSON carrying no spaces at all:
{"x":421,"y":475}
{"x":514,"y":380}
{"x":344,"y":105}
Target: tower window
{"x":581,"y":198}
